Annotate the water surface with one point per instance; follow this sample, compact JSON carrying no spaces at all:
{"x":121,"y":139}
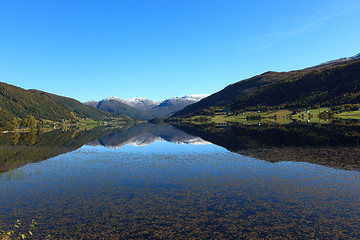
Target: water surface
{"x":175,"y":185}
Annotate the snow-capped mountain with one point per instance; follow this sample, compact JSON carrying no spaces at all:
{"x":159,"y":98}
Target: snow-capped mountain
{"x":141,"y":103}
{"x":339,"y":60}
{"x":192,"y":97}
{"x":170,"y":106}
{"x":182,"y":100}
{"x":112,"y":98}
{"x":355,"y":57}
{"x":119,"y":106}
{"x":143,"y":108}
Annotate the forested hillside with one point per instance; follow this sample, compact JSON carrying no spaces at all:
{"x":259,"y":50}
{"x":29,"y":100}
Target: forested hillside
{"x":78,"y":108}
{"x":19,"y":103}
{"x":325,"y":85}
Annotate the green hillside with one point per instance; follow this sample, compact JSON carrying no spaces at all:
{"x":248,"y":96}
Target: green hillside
{"x":326,"y":85}
{"x":78,"y":108}
{"x":19,"y":103}
{"x":331,"y":86}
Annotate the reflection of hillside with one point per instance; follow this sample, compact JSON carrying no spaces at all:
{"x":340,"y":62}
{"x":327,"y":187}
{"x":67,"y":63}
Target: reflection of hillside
{"x":12,"y":157}
{"x":17,"y":150}
{"x":145,"y":134}
{"x":346,"y":157}
{"x":332,"y":145}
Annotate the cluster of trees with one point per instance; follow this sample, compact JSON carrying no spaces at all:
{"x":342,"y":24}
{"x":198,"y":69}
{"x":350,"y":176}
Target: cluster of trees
{"x":15,"y":123}
{"x":253,"y":118}
{"x":202,"y":119}
{"x":346,"y":107}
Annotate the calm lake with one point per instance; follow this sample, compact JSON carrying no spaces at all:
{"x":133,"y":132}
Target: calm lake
{"x":184,"y":182}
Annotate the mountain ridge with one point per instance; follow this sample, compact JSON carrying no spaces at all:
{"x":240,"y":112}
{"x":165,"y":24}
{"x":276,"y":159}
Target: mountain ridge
{"x":338,"y":60}
{"x":144,"y":108}
{"x":334,"y":83}
{"x":16,"y":102}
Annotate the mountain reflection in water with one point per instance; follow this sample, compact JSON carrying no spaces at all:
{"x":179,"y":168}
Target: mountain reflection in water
{"x":145,"y":134}
{"x":331,"y":145}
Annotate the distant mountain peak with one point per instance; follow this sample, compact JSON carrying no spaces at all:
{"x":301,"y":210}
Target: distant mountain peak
{"x":141,"y":103}
{"x":192,"y":97}
{"x":339,"y":60}
{"x":92,"y":103}
{"x":139,"y":100}
{"x":356,"y":56}
{"x":113,"y":98}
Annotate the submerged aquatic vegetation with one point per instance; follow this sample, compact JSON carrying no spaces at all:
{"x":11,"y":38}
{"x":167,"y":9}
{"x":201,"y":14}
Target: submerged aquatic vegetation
{"x":18,"y":231}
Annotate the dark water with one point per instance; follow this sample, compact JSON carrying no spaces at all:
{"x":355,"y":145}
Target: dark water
{"x":158,"y":182}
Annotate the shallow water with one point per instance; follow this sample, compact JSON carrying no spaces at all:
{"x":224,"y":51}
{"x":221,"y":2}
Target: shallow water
{"x":165,"y":190}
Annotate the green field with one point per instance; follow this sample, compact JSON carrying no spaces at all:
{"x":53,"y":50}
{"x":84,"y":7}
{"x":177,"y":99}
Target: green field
{"x":283,"y":116}
{"x":349,"y":115}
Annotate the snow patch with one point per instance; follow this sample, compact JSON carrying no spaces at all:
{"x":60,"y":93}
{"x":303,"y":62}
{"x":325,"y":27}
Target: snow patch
{"x":356,"y":56}
{"x":113,"y":98}
{"x":194,"y":141}
{"x":192,"y":97}
{"x":141,"y":100}
{"x":339,"y":60}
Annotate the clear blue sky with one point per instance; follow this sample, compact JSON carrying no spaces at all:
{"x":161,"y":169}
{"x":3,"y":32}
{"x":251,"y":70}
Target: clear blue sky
{"x":90,"y":50}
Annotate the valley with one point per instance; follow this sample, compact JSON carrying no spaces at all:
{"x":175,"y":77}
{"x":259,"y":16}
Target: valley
{"x":179,"y":120}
